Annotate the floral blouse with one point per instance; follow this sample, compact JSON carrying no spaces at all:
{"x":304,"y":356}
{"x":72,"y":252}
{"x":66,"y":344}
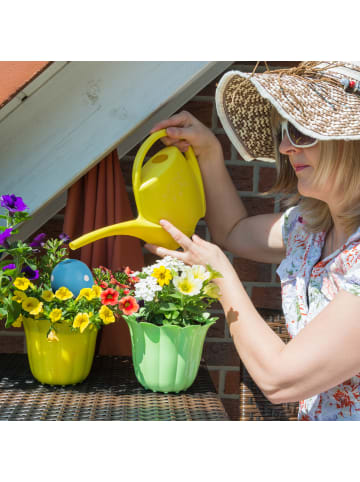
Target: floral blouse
{"x":307,"y":286}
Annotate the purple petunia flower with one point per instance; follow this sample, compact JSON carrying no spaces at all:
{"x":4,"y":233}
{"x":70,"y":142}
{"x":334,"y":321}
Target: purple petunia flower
{"x":38,"y":240}
{"x":13,"y":203}
{"x":29,"y":273}
{"x":4,"y":235}
{"x":65,"y":238}
{"x":9,"y":266}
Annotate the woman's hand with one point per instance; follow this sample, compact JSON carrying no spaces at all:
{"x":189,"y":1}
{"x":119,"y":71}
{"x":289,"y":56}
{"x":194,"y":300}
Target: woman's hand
{"x":195,"y":251}
{"x":184,"y":129}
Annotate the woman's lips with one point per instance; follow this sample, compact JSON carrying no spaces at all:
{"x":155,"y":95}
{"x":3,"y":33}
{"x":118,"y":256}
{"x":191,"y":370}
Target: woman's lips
{"x":300,"y":167}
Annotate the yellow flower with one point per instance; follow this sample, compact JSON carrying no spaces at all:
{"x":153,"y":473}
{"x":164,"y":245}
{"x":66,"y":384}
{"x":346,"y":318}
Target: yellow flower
{"x":32,"y":306}
{"x":187,"y":284}
{"x":55,"y":315}
{"x":47,"y":295}
{"x":19,"y":296}
{"x":63,"y":294}
{"x":22,"y":284}
{"x":86,"y":293}
{"x":162,"y":275}
{"x":18,"y":322}
{"x":81,"y":321}
{"x":96,"y":290}
{"x":212,"y":291}
{"x":106,"y":315}
{"x":52,"y":336}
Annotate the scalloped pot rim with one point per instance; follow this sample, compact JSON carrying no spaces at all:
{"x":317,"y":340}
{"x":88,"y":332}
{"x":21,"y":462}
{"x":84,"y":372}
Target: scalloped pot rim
{"x":172,"y":327}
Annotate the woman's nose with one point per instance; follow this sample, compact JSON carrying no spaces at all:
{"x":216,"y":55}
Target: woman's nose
{"x":286,"y":147}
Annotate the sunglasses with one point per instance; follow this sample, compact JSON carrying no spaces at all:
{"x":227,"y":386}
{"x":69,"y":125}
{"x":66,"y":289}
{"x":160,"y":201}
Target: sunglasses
{"x":296,"y":138}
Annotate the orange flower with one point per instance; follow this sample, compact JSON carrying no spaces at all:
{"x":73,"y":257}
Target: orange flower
{"x":128,"y":305}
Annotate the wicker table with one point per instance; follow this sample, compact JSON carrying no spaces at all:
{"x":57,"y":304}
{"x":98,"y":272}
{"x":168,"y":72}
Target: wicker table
{"x":111,"y":392}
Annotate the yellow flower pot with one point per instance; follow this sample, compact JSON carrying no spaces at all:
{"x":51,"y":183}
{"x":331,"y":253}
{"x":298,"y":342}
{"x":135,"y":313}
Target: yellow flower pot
{"x":64,"y":362}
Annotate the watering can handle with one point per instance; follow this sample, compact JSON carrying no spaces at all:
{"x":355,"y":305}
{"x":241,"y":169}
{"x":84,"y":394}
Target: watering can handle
{"x":140,"y":156}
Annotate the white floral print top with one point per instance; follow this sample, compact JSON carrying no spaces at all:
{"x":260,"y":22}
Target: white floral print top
{"x":307,"y":286}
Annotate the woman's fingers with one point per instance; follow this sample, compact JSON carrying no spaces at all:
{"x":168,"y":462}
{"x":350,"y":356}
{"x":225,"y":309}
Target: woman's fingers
{"x":181,"y":238}
{"x":162,"y":252}
{"x":181,"y":119}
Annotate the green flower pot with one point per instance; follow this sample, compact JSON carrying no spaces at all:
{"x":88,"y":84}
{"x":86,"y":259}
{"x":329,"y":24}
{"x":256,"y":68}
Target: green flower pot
{"x":166,"y":358}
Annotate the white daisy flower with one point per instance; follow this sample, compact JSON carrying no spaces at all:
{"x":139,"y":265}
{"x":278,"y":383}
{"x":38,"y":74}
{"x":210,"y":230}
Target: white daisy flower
{"x":198,"y":272}
{"x":187,"y":284}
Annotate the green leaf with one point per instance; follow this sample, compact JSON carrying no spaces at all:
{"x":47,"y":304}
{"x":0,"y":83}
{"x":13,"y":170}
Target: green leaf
{"x":3,"y":312}
{"x":13,"y":312}
{"x":213,"y":274}
{"x":175,"y":295}
{"x":32,"y":265}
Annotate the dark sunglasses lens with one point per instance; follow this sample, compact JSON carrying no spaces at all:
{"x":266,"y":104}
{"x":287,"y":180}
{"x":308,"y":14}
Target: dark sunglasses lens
{"x":298,"y":138}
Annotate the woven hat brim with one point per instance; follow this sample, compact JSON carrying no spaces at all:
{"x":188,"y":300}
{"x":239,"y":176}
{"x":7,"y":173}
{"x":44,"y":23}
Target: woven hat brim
{"x":323,"y":111}
{"x":245,"y":117}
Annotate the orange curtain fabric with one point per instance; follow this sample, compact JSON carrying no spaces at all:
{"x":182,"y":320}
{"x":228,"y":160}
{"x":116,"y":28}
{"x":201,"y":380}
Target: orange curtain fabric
{"x":100,"y":199}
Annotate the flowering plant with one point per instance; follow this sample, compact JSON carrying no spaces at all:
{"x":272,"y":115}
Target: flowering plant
{"x":170,"y":292}
{"x":25,"y":284}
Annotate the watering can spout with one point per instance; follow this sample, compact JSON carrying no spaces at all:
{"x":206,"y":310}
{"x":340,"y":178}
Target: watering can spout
{"x":140,"y":228}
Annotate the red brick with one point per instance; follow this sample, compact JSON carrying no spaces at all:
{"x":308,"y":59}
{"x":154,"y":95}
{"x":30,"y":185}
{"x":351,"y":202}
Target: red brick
{"x":232,"y":383}
{"x":201,"y":110}
{"x":242,"y":177}
{"x":252,"y":270}
{"x":267,"y":178}
{"x":266,"y":297}
{"x":257,"y":205}
{"x":52,"y":229}
{"x":214,"y":374}
{"x":232,"y":407}
{"x":12,"y":344}
{"x":201,"y":231}
{"x":220,"y":353}
{"x":218,"y":329}
{"x":226,"y":145}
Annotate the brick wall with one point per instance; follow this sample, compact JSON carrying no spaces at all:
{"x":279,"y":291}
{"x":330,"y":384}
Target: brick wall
{"x":260,"y":280}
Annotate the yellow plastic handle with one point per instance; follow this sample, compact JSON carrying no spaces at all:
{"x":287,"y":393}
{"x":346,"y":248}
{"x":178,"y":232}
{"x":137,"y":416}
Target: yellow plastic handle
{"x":193,"y":162}
{"x":140,"y":156}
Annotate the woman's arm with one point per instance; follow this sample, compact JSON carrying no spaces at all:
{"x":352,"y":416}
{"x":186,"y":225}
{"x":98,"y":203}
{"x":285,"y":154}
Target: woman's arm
{"x":325,"y":353}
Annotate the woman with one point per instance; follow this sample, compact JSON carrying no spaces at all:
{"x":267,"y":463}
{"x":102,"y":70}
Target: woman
{"x":308,"y":119}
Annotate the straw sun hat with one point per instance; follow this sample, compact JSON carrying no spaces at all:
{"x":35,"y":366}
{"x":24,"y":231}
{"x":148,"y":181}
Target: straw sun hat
{"x":321,"y":99}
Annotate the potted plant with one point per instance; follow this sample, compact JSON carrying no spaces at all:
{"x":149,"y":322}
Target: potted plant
{"x":169,"y":326}
{"x":60,"y":326}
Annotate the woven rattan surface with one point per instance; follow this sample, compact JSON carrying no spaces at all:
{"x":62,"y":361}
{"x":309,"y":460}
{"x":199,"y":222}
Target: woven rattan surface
{"x":111,"y":392}
{"x":253,"y":404}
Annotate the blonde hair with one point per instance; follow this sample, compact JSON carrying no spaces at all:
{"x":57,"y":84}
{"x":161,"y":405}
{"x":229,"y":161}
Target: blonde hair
{"x":339,"y":163}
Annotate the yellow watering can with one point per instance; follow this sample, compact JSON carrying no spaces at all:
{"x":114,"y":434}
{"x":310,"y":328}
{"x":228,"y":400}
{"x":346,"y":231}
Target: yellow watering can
{"x":168,"y":186}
